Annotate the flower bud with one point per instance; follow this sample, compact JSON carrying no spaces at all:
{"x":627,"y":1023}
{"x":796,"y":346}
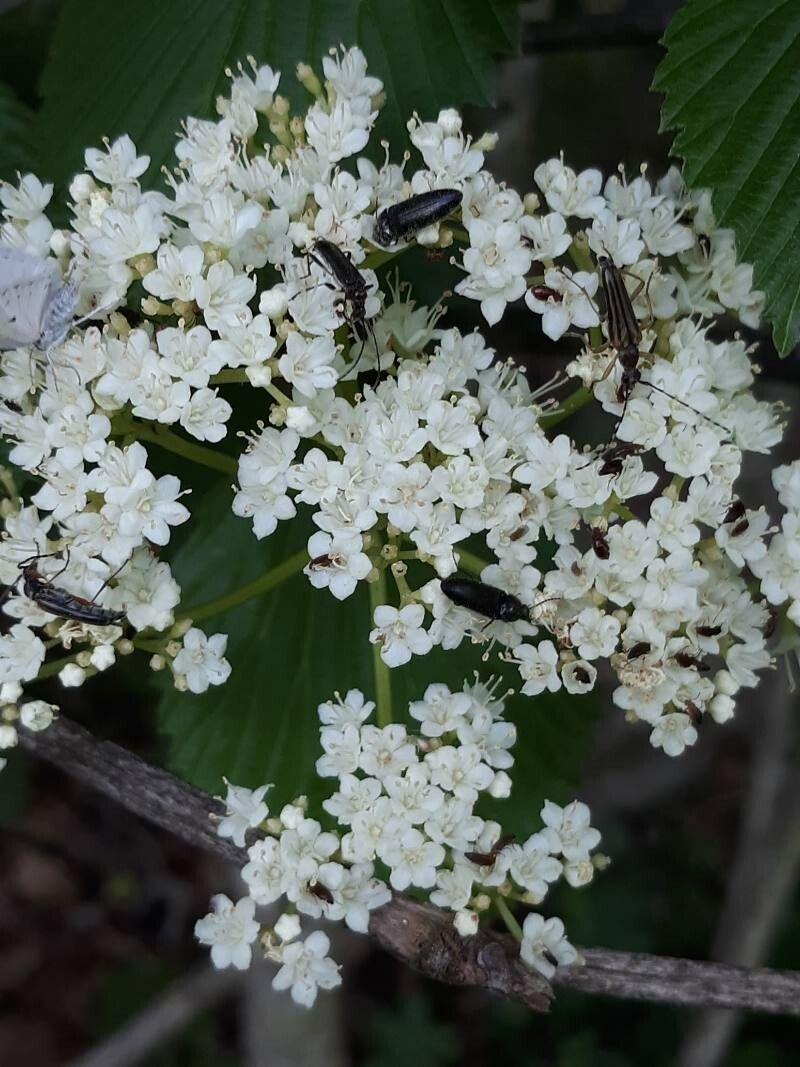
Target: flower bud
{"x":308,"y":79}
{"x":287,"y":927}
{"x":37,"y":714}
{"x":466,"y":922}
{"x":157,"y":663}
{"x":8,"y":736}
{"x":724,"y":682}
{"x":299,"y":418}
{"x":531,"y":203}
{"x":500,"y":786}
{"x":81,"y":187}
{"x":72,"y":676}
{"x":103,"y":657}
{"x":450,"y":121}
{"x":10,"y":692}
{"x":721,"y":707}
{"x":259,"y":376}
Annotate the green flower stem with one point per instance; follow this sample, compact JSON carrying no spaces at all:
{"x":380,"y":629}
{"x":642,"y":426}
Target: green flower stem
{"x":154,"y":647}
{"x":166,"y":439}
{"x":379,"y":257}
{"x":49,"y":670}
{"x":229,"y":377}
{"x":468,"y":561}
{"x":574,"y":402}
{"x":381,"y":673}
{"x":268,"y":581}
{"x":512,"y":925}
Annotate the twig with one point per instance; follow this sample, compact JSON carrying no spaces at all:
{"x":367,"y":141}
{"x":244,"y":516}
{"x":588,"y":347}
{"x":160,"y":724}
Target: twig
{"x":763,"y":875}
{"x":420,"y":935}
{"x":165,"y":1016}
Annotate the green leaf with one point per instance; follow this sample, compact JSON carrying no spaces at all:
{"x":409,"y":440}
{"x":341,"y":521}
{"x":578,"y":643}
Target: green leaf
{"x":139,"y":68}
{"x":731,"y":79}
{"x":16,"y":142}
{"x":293,"y":648}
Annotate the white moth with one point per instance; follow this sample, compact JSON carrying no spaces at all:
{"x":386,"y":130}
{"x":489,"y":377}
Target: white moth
{"x":37,"y":307}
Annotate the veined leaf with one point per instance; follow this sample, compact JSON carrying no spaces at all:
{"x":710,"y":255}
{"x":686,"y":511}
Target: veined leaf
{"x":296,"y":646}
{"x":141,"y":67}
{"x":731,"y":79}
{"x":16,"y":142}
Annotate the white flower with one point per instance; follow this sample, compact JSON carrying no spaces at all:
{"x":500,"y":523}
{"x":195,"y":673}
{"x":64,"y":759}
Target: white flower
{"x":440,"y":711}
{"x":230,"y":930}
{"x":308,"y":364}
{"x":537,"y":666}
{"x":496,"y":264}
{"x":264,"y":873}
{"x":576,"y":838}
{"x":568,"y":301}
{"x":21,"y":654}
{"x":306,"y":967}
{"x":245,"y":810}
{"x":37,"y":714}
{"x":547,"y":234}
{"x":399,"y":633}
{"x":412,"y":859}
{"x":673,"y":732}
{"x":201,"y":660}
{"x":545,"y":946}
{"x":337,"y":562}
{"x":594,"y":633}
{"x":532,"y":866}
{"x":118,"y":164}
{"x":568,"y":192}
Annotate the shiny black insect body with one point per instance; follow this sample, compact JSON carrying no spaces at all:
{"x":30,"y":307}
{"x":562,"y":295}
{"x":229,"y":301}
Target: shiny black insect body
{"x":321,"y":892}
{"x":686,"y":659}
{"x":401,"y":221}
{"x":641,"y":648}
{"x":66,"y":605}
{"x":351,"y":281}
{"x":622,"y":326}
{"x":625,"y":336}
{"x":600,"y":543}
{"x":694,"y":713}
{"x":615,"y":455}
{"x":486,"y":859}
{"x":709,"y":631}
{"x":486,"y":600}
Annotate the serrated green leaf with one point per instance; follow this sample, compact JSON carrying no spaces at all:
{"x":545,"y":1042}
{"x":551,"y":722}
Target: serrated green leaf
{"x":296,"y":646}
{"x":731,"y":79}
{"x":16,"y":142}
{"x":139,"y":68}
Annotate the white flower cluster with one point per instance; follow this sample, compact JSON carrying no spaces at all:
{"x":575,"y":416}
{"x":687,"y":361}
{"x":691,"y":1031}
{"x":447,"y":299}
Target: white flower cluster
{"x":404,"y":805}
{"x":404,"y":439}
{"x":779,"y":567}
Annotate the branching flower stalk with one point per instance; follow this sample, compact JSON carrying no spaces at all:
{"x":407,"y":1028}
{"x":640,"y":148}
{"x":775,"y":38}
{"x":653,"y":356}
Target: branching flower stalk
{"x":401,"y":447}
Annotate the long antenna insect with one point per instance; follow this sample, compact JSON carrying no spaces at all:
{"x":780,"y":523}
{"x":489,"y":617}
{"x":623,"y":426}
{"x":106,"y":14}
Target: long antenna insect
{"x":625,"y":336}
{"x":336,"y":263}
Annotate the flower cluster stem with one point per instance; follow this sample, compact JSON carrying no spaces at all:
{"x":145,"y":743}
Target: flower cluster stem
{"x":381,"y":673}
{"x":506,"y":915}
{"x":574,"y":402}
{"x":170,"y":442}
{"x":266,"y":582}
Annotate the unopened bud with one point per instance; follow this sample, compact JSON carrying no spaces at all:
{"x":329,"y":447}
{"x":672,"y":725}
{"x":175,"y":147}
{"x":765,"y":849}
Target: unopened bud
{"x":308,"y":79}
{"x":157,"y":663}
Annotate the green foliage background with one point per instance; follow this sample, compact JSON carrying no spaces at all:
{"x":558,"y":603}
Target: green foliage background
{"x":75,"y":71}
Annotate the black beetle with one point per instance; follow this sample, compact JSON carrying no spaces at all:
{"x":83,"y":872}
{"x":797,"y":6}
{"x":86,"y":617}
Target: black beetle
{"x":486,"y":600}
{"x":401,"y":221}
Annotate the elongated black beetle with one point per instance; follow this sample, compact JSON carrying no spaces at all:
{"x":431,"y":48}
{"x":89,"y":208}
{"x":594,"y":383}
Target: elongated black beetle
{"x":486,"y":600}
{"x":625,"y":336}
{"x":351,"y":281}
{"x":65,"y":605}
{"x":403,"y":220}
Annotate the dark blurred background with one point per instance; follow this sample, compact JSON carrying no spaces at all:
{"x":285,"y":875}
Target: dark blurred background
{"x":97,"y":908}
